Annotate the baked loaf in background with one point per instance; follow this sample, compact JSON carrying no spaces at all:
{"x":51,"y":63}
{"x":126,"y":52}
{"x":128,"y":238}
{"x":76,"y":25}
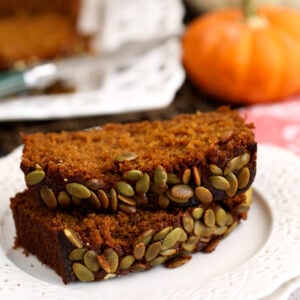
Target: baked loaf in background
{"x":191,"y":159}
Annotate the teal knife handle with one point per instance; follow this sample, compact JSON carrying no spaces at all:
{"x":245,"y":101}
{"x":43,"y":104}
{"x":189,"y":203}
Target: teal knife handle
{"x":11,"y":83}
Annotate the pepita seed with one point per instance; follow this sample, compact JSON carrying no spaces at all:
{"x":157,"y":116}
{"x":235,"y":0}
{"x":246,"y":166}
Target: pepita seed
{"x":160,"y":176}
{"x":77,"y":254}
{"x":203,"y":194}
{"x":183,"y":236}
{"x":113,"y":199}
{"x":126,"y":200}
{"x":221,"y":216}
{"x":173,"y":179}
{"x":73,"y":238}
{"x":243,"y":160}
{"x":92,"y":184}
{"x":145,"y":237}
{"x":158,"y":261}
{"x":63,"y":199}
{"x":197,"y":228}
{"x":219,"y":182}
{"x":125,"y":188}
{"x":113,"y":259}
{"x":229,"y":219}
{"x":196,"y":176}
{"x":186,"y":177}
{"x":220,"y":230}
{"x":143,"y":184}
{"x":48,"y":197}
{"x":205,"y":230}
{"x":163,"y":201}
{"x":177,"y":262}
{"x":232,"y":165}
{"x":139,"y":251}
{"x":162,"y":233}
{"x":190,"y":244}
{"x":174,"y":199}
{"x":197,"y":213}
{"x":109,"y":276}
{"x":233,"y":185}
{"x":104,"y":200}
{"x":82,"y":272}
{"x":248,"y":195}
{"x":126,"y":156}
{"x":243,"y":177}
{"x":38,"y":167}
{"x":140,"y":199}
{"x":138,"y":267}
{"x":104,"y":264}
{"x":209,"y":217}
{"x":35,"y":177}
{"x":78,"y":190}
{"x":152,"y":251}
{"x":231,"y":228}
{"x":215,"y":170}
{"x":188,"y":223}
{"x":158,"y":190}
{"x":168,"y":252}
{"x":133,"y":175}
{"x":127,"y":209}
{"x":90,"y":261}
{"x":94,"y":201}
{"x":77,"y":200}
{"x":126,"y":262}
{"x":182,"y":191}
{"x":171,"y":238}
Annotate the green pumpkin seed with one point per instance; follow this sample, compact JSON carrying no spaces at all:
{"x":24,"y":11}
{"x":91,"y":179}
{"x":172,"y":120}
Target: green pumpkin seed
{"x":182,"y":191}
{"x":188,"y":223}
{"x":243,"y":177}
{"x":177,"y":262}
{"x":138,"y":267}
{"x":145,"y":237}
{"x":243,"y":160}
{"x":77,"y":201}
{"x":104,"y":263}
{"x":140,"y":199}
{"x":233,"y":185}
{"x":160,"y":176}
{"x":158,"y":261}
{"x":82,"y":272}
{"x":94,"y":201}
{"x":48,"y":197}
{"x":196,"y":176}
{"x":231,"y":228}
{"x":163,"y":201}
{"x":113,"y":259}
{"x":197,"y":213}
{"x":90,"y":261}
{"x":248,"y":199}
{"x":162,"y":233}
{"x":190,"y":244}
{"x":171,"y":238}
{"x":168,"y":252}
{"x":232,"y":165}
{"x":113,"y":199}
{"x":63,"y":199}
{"x":221,"y":217}
{"x":143,"y":184}
{"x":209,"y":218}
{"x":35,"y":177}
{"x":126,"y":262}
{"x":127,"y":209}
{"x":104,"y":200}
{"x":73,"y":238}
{"x":139,"y":251}
{"x":133,"y":175}
{"x":183,"y":236}
{"x":125,"y":188}
{"x":197,"y":228}
{"x":126,"y":156}
{"x":78,"y":190}
{"x":77,"y":254}
{"x":152,"y":251}
{"x":173,"y":179}
{"x":229,"y":219}
{"x":203,"y":194}
{"x":186,"y":176}
{"x":126,"y":200}
{"x":109,"y":276}
{"x":176,"y":200}
{"x":219,"y":182}
{"x":215,"y":169}
{"x":220,"y":230}
{"x":205,"y":231}
{"x":92,"y":184}
{"x":158,"y":190}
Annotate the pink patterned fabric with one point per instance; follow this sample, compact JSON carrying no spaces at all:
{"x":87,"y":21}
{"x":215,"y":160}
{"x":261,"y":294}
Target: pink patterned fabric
{"x":277,"y":124}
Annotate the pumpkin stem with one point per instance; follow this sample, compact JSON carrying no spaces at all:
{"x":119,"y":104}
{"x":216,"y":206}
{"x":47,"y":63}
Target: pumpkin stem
{"x":248,"y":8}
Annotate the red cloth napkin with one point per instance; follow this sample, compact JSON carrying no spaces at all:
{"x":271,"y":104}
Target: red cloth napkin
{"x":277,"y":124}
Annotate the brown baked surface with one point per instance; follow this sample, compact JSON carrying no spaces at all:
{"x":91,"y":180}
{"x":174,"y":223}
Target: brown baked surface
{"x":188,"y":141}
{"x":40,"y":231}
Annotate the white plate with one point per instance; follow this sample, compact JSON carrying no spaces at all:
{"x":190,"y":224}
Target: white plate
{"x":260,"y":256}
{"x":144,"y":82}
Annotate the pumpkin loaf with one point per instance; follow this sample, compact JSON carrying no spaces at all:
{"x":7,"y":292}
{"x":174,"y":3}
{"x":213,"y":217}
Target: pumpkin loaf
{"x":190,"y":159}
{"x":91,"y":247}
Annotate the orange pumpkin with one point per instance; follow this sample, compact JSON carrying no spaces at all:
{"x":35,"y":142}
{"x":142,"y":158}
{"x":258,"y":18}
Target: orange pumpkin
{"x":245,"y":59}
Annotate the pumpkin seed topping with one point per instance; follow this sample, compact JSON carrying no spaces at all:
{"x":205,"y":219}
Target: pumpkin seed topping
{"x":219,"y":182}
{"x":63,"y":199}
{"x":73,"y":238}
{"x":104,"y":200}
{"x":221,"y":217}
{"x":203,"y":194}
{"x":82,"y":272}
{"x":128,"y":209}
{"x":163,"y":201}
{"x":177,"y":262}
{"x":113,"y":259}
{"x":92,"y":184}
{"x":90,"y":261}
{"x":243,"y":160}
{"x":152,"y":251}
{"x":138,"y":267}
{"x":173,"y":179}
{"x":113,"y":199}
{"x":197,"y":228}
{"x":174,"y":199}
{"x":186,"y":177}
{"x":145,"y":237}
{"x":171,"y":238}
{"x":126,"y":200}
{"x":188,"y":223}
{"x":109,"y":276}
{"x":197,"y":213}
{"x":126,"y":156}
{"x":243,"y":177}
{"x":182,"y":191}
{"x":35,"y":177}
{"x":104,"y":263}
{"x":48,"y":196}
{"x":143,"y":184}
{"x":139,"y":251}
{"x":125,"y":188}
{"x":133,"y":175}
{"x":158,"y":261}
{"x":215,"y":169}
{"x":126,"y":262}
{"x":78,"y":190}
{"x":233,"y":185}
{"x":162,"y":233}
{"x":231,"y":165}
{"x":160,"y":176}
{"x":168,"y":252}
{"x":94,"y":201}
{"x":196,"y":176}
{"x":77,"y":254}
{"x":209,"y":218}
